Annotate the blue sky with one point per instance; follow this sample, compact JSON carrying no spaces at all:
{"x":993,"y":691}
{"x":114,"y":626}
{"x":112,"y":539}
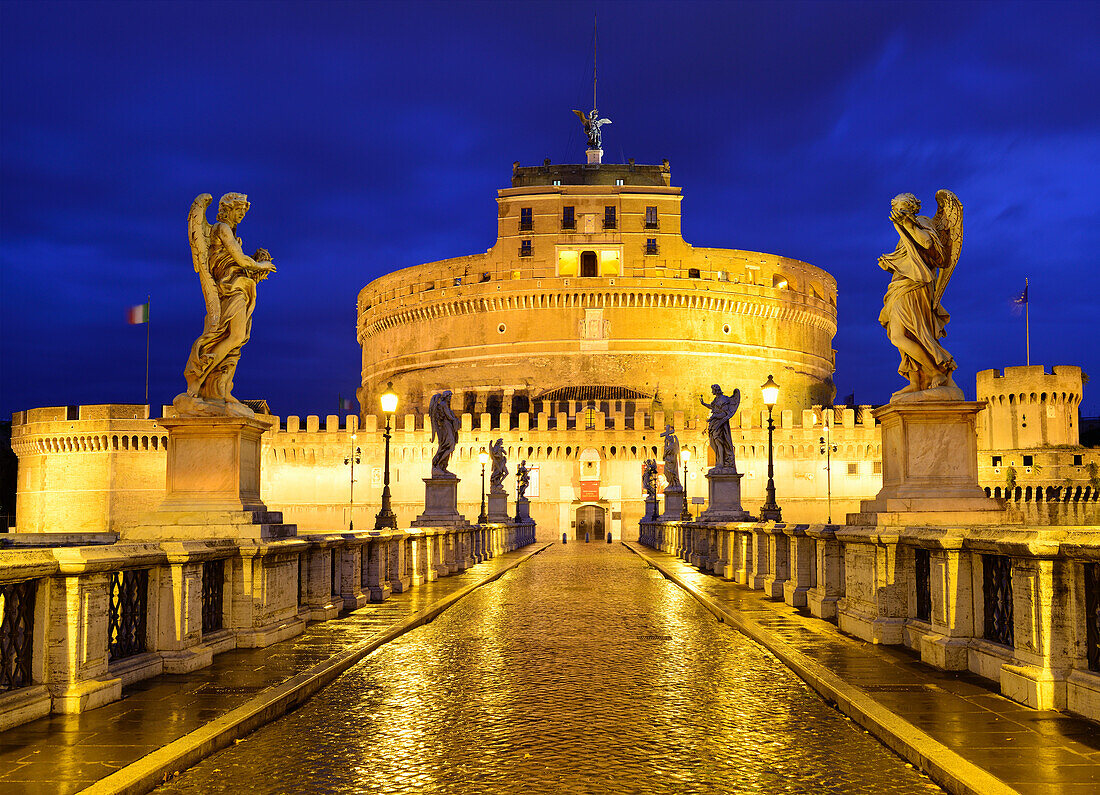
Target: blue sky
{"x":373,"y":136}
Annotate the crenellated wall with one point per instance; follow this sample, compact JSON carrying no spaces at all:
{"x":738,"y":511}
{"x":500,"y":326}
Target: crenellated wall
{"x":1029,"y":407}
{"x":73,"y":477}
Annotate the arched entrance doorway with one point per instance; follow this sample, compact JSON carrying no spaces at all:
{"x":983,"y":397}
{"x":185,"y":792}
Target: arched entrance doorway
{"x":591,"y":519}
{"x":588,"y":263}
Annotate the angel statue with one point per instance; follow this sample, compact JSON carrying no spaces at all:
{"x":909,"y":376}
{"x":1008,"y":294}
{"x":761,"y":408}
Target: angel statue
{"x":722,"y":410}
{"x":649,"y":479}
{"x":523,"y":479}
{"x":592,"y":124}
{"x":672,"y":459}
{"x":444,"y":428}
{"x":228,"y":277}
{"x":500,"y":467}
{"x":922,"y":264}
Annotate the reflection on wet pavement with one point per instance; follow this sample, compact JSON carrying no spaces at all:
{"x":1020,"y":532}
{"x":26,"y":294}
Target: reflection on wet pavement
{"x":581,"y":671}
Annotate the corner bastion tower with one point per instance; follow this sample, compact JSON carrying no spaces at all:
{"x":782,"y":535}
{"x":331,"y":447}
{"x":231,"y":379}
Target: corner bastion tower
{"x":591,"y":297}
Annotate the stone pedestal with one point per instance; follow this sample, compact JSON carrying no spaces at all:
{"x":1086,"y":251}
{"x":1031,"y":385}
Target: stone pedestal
{"x":523,"y":510}
{"x":650,"y":508}
{"x":724,"y":504}
{"x":212,"y":484}
{"x":674,"y":504}
{"x":213,"y":464}
{"x":440,"y":504}
{"x":929,"y":467}
{"x":498,"y":507}
{"x":595,"y":156}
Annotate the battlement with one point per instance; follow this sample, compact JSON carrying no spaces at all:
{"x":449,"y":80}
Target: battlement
{"x":591,"y":174}
{"x":1031,"y":380}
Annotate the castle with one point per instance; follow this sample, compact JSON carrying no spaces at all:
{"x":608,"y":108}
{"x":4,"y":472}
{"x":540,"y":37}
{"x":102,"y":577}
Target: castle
{"x":588,"y":326}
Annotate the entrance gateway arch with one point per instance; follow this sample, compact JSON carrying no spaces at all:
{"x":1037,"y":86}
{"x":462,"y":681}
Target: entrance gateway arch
{"x":591,"y":519}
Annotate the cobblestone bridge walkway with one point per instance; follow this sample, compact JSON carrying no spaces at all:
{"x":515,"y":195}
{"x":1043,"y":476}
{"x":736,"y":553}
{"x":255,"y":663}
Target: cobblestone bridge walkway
{"x":581,"y":671}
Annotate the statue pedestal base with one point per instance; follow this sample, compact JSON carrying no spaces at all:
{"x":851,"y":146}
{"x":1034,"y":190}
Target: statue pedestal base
{"x":929,"y":467}
{"x":650,"y":508}
{"x":440,"y":504}
{"x":595,"y":156}
{"x":724,"y":498}
{"x":498,"y":507}
{"x":523,"y":510}
{"x":674,"y":504}
{"x":212,"y":483}
{"x":213,"y":464}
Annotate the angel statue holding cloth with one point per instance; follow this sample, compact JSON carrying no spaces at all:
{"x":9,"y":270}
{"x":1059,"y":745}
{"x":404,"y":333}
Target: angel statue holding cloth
{"x":228,"y":278}
{"x":912,"y":312}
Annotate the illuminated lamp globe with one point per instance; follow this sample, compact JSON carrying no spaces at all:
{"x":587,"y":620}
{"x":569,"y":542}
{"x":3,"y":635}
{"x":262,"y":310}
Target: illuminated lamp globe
{"x":685,"y":455}
{"x":483,"y":457}
{"x":770,"y":389}
{"x":389,"y":399}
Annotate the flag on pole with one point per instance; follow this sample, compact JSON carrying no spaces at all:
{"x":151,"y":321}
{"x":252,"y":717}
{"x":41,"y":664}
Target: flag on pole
{"x":346,"y":404}
{"x":1022,"y":297}
{"x":138,"y":314}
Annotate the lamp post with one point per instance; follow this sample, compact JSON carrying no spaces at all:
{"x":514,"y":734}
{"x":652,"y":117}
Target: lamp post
{"x":483,"y":457}
{"x":386,"y":518}
{"x":827,"y":448}
{"x":352,"y":459}
{"x":685,"y":512}
{"x":770,"y":511}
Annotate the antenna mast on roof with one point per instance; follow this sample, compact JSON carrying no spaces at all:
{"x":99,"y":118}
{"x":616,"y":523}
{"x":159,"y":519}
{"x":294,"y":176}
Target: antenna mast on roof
{"x":592,"y":122}
{"x":595,"y":40}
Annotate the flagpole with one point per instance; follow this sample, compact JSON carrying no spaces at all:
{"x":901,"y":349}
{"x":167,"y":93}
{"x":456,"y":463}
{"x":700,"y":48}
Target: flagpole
{"x":148,"y":322}
{"x":1027,"y":322}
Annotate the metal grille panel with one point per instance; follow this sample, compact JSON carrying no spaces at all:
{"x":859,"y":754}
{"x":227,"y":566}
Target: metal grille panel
{"x":997,"y":589}
{"x":16,"y":633}
{"x":128,"y":610}
{"x":213,"y":580}
{"x":922,"y":561}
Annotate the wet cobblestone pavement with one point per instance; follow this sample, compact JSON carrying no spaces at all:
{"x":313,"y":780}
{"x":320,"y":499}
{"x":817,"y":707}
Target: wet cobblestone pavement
{"x":581,"y":671}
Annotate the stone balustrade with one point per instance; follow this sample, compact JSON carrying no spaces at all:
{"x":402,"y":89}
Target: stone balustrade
{"x":1019,"y":606}
{"x":89,"y":615}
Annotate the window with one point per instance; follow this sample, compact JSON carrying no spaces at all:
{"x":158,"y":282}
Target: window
{"x":853,"y":467}
{"x":486,"y":276}
{"x":525,"y":222}
{"x":1028,"y":460}
{"x":525,"y":248}
{"x":651,"y":246}
{"x":588,"y":263}
{"x":458,"y":281}
{"x":618,"y":182}
{"x":650,"y":217}
{"x":876,"y":467}
{"x":609,"y":221}
{"x":723,"y":276}
{"x":557,"y":182}
{"x":568,"y":218}
{"x":693,"y":273}
{"x":996,"y":461}
{"x":1078,"y":460}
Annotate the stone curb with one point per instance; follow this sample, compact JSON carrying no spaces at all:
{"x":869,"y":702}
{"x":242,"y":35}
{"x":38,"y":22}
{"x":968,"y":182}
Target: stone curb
{"x":150,"y":771}
{"x":945,"y":767}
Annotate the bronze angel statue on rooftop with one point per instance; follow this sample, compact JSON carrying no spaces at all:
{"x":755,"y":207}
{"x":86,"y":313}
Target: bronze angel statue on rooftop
{"x":592,"y":124}
{"x":228,"y":278}
{"x":912,"y":312}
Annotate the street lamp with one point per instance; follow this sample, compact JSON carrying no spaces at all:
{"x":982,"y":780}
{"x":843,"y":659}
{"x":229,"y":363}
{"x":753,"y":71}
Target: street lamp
{"x":483,"y":457}
{"x":827,"y":448}
{"x":685,"y":512}
{"x":386,"y":518}
{"x":353,"y":458}
{"x":770,"y":511}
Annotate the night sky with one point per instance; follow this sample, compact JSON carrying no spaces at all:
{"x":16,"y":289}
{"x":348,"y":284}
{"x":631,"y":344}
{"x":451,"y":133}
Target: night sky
{"x":373,"y":136}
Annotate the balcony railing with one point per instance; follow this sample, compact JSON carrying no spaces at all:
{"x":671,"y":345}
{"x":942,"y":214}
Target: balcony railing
{"x":129,"y":609}
{"x":16,"y":633}
{"x":213,"y":582}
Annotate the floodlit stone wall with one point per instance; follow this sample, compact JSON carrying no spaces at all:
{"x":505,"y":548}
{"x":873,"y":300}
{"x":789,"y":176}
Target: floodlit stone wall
{"x":304,"y":474}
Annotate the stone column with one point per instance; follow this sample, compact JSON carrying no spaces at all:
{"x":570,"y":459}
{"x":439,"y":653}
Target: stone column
{"x":823,"y":596}
{"x":800,"y":562}
{"x":779,"y":561}
{"x":1041,"y":631}
{"x":76,"y":674}
{"x":760,"y":558}
{"x":951,"y":586}
{"x":378,"y":583}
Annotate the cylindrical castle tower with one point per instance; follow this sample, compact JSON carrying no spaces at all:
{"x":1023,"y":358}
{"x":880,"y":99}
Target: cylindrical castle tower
{"x":590,"y":292}
{"x":1029,"y":407}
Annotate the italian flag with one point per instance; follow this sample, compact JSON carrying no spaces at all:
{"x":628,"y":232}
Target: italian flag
{"x":138,"y":314}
